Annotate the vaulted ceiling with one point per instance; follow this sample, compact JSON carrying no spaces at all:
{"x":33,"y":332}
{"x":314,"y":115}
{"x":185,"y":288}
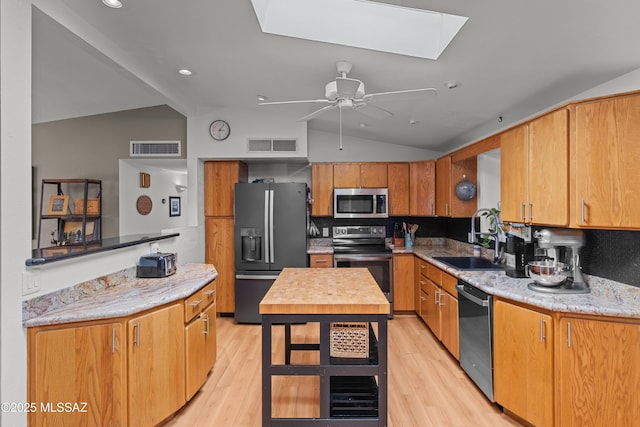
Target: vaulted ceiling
{"x":511,"y":59}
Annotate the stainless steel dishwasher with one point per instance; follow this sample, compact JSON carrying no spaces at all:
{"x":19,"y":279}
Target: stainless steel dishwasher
{"x":475,"y":315}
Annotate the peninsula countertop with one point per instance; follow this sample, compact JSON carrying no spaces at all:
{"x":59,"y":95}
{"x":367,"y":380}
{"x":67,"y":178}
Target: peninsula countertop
{"x":325,"y":291}
{"x":117,"y":295}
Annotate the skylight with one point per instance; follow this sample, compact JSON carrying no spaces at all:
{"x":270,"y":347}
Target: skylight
{"x":361,"y":23}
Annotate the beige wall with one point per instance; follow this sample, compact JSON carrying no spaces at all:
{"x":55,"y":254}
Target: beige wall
{"x":90,"y":147}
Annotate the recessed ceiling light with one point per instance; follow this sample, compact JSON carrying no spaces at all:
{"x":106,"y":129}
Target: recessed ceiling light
{"x":115,"y":4}
{"x":364,"y":125}
{"x":452,"y":85}
{"x":414,"y":122}
{"x":262,"y":98}
{"x":185,"y":72}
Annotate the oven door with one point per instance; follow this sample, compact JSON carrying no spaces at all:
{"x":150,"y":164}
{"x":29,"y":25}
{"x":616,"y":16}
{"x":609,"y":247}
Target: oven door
{"x":380,"y":266}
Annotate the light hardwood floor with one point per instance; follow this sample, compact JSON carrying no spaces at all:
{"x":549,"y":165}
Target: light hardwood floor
{"x":427,"y":387}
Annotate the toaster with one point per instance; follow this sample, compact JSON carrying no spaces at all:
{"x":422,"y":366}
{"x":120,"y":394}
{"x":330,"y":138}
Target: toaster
{"x":157,"y":265}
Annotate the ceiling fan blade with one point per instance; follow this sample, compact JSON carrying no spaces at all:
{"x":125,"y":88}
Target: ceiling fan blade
{"x":373,"y":111}
{"x":316,"y":113}
{"x":305,"y":101}
{"x":401,"y":95}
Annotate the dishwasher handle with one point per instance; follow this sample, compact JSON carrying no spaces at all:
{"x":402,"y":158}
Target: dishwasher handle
{"x":472,"y":298}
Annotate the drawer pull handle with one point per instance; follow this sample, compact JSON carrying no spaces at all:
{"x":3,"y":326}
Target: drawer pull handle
{"x":195,"y":303}
{"x":206,"y":324}
{"x":210,"y":292}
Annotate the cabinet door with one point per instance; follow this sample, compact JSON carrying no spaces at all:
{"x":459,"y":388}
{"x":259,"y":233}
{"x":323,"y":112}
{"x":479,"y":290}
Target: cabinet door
{"x":466,"y":168}
{"x":599,"y":373}
{"x":219,"y":252}
{"x":449,"y":323}
{"x":514,"y":159}
{"x":549,"y":169}
{"x":403,"y":297}
{"x":422,"y":188}
{"x":156,"y":365}
{"x":346,"y":175}
{"x":398,"y":185}
{"x":195,"y":360}
{"x":606,"y":155}
{"x":219,"y":180}
{"x":210,"y":337}
{"x":432,"y":308}
{"x":322,"y":189}
{"x":443,"y":186}
{"x":373,"y":175}
{"x":81,"y":364}
{"x":523,"y":362}
{"x":321,"y":261}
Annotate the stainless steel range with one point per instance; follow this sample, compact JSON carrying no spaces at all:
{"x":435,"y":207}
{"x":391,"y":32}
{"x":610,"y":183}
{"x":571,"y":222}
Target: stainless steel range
{"x":364,"y":246}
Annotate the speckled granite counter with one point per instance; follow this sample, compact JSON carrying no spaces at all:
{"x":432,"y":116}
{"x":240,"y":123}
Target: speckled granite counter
{"x":320,"y":246}
{"x":116,"y":295}
{"x":606,"y":298}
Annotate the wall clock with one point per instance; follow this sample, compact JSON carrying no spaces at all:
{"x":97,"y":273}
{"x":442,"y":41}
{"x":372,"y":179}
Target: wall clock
{"x":219,"y":130}
{"x":144,"y":205}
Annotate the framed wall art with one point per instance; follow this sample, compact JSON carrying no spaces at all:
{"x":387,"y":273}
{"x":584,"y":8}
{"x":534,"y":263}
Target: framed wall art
{"x":58,"y":205}
{"x":174,"y":206}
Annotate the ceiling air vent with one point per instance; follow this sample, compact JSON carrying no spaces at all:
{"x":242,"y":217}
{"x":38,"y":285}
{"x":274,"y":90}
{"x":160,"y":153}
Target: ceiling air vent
{"x":155,"y":149}
{"x":266,"y":145}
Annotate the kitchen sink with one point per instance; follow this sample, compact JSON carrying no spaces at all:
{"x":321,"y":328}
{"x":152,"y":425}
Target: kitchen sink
{"x":468,"y":263}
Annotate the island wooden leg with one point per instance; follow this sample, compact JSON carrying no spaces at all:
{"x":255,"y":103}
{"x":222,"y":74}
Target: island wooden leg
{"x":266,"y":370}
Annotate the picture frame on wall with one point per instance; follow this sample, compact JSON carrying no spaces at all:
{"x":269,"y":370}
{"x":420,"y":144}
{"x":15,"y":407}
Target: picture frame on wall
{"x":174,"y":206}
{"x":58,"y":205}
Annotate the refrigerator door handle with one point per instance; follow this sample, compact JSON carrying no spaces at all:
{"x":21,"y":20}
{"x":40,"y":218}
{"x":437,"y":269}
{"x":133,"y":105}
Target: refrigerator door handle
{"x":267,"y":236}
{"x":271,"y":236}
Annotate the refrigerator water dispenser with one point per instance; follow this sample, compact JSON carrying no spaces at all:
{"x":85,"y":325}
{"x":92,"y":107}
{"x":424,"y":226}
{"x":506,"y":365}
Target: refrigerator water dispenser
{"x":251,"y":244}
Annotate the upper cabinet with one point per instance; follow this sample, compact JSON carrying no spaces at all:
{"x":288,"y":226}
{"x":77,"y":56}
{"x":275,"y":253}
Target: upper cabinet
{"x":534,"y":171}
{"x":398,"y":185}
{"x":360,"y":175}
{"x":322,"y":189}
{"x":443,"y":186}
{"x":422,"y":188}
{"x":220,"y":178}
{"x":606,"y":151}
{"x":448,"y":174}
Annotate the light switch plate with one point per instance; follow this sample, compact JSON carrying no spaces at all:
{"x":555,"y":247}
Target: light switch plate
{"x":30,"y":282}
{"x":325,"y":231}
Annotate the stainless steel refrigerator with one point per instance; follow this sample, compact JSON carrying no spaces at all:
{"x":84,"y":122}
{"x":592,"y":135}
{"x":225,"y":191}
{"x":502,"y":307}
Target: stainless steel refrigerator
{"x":270,"y":233}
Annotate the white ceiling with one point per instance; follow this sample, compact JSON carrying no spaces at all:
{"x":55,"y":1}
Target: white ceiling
{"x":512,"y":58}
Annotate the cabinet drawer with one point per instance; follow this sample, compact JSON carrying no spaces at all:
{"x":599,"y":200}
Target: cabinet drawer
{"x":321,"y":261}
{"x":422,"y":267}
{"x":208,"y":294}
{"x":448,"y":283}
{"x":193,"y":305}
{"x":434,"y":273}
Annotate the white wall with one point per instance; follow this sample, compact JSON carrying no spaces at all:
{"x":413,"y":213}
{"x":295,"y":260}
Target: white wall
{"x":15,"y":197}
{"x":163,"y":186}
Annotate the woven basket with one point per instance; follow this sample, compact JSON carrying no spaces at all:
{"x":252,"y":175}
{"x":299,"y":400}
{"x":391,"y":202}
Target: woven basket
{"x":349,"y":339}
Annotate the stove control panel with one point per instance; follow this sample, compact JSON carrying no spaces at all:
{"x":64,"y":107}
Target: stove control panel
{"x":363,"y":231}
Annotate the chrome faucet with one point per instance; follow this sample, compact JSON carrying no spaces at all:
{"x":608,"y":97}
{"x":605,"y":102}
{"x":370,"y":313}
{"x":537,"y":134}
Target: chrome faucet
{"x":494,"y":234}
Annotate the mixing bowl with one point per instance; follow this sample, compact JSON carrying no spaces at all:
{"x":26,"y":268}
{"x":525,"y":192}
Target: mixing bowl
{"x":547,"y":273}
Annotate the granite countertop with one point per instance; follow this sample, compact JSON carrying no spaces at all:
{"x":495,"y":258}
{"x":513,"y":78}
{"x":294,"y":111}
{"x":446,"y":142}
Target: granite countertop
{"x":324,"y":291}
{"x":607,"y":297}
{"x":118,"y":295}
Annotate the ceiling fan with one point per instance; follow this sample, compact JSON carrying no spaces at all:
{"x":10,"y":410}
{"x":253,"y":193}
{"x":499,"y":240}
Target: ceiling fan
{"x":345,"y":92}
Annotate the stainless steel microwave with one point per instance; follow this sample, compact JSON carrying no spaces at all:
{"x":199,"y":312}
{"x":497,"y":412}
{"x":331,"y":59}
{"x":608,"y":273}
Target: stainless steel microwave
{"x":360,"y":203}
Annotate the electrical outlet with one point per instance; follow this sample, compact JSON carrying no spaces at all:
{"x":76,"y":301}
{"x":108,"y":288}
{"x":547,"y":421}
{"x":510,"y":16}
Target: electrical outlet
{"x":325,"y":231}
{"x":154,"y":247}
{"x":30,"y":282}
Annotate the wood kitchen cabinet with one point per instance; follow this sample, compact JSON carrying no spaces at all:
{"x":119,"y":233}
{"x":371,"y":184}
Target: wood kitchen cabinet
{"x":219,"y":180}
{"x":322,"y":189}
{"x":605,"y":155}
{"x":77,"y":364}
{"x":534,"y":171}
{"x":523,"y":362}
{"x":439,"y":304}
{"x":156,"y":365}
{"x":598,"y":373}
{"x":200,"y":338}
{"x":219,"y":251}
{"x":403,"y":283}
{"x":398,"y":183}
{"x":321,"y":261}
{"x":448,"y":174}
{"x":360,"y":175}
{"x":422,"y":188}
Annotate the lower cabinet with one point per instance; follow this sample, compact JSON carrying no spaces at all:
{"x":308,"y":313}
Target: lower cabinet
{"x":321,"y":261}
{"x":438,"y":303}
{"x":523,"y":362}
{"x":598,"y":372}
{"x":130,"y":371}
{"x":219,"y":252}
{"x":83,"y":365}
{"x":156,"y":365}
{"x":403,"y":288}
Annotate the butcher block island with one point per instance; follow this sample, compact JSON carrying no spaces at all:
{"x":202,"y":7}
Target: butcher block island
{"x":346,"y":303}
